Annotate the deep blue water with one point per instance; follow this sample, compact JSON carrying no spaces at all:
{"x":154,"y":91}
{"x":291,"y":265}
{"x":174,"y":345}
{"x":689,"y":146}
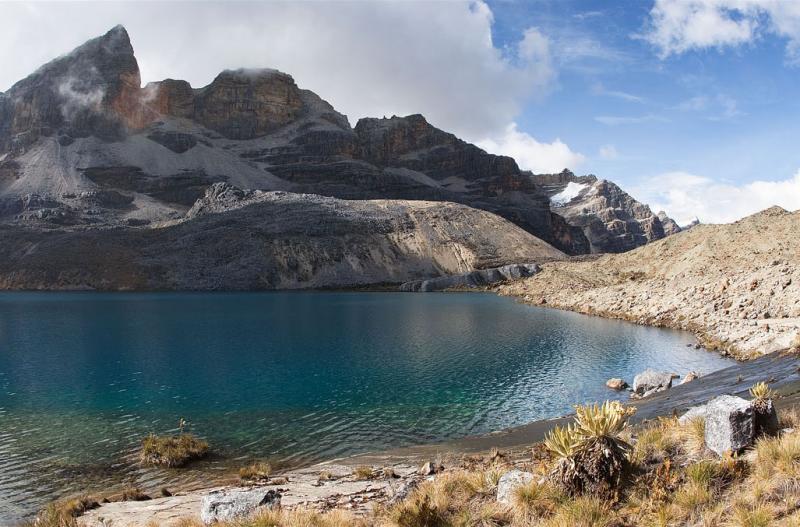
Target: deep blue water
{"x":287,"y":377}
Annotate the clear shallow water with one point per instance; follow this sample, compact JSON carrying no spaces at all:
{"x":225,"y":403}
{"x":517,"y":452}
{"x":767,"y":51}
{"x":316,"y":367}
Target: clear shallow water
{"x":288,"y":377}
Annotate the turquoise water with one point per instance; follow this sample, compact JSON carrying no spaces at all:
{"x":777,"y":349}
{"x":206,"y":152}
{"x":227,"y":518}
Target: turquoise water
{"x":287,"y":377}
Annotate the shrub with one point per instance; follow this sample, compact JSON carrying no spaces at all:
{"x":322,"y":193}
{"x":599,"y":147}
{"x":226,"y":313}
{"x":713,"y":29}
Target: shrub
{"x":172,"y":451}
{"x":591,"y":456}
{"x":761,"y":391}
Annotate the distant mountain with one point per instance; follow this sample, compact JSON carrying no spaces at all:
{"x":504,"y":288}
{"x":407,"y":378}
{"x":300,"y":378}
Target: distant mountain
{"x":610,"y":218}
{"x":84,"y":146}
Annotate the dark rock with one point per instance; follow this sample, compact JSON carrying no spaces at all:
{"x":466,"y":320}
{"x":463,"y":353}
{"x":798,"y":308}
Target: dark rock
{"x":176,"y":141}
{"x":766,"y":418}
{"x":473,"y":279}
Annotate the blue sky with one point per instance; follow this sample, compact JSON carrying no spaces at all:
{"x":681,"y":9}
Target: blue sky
{"x":727,"y":113}
{"x":690,"y":105}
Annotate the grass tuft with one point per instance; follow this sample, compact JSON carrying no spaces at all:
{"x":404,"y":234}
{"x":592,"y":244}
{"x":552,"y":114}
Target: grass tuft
{"x":256,"y":472}
{"x":172,"y":451}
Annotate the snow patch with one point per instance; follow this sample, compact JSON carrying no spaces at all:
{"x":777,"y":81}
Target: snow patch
{"x":570,"y":192}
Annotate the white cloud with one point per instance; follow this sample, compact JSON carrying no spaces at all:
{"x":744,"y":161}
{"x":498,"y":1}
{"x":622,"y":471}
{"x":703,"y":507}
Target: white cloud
{"x":677,"y":26}
{"x":719,"y":108}
{"x":685,"y":196}
{"x":367,"y":59}
{"x":599,"y":89}
{"x":614,"y":120}
{"x":531,"y":154}
{"x":608,"y":152}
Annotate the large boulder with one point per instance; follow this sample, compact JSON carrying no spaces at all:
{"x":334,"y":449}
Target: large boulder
{"x":651,"y":381}
{"x":730,"y":426}
{"x":230,"y":504}
{"x":509,"y":482}
{"x":766,"y":418}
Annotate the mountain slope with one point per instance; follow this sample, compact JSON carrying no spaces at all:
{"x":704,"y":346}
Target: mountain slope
{"x":737,"y":286}
{"x":82,"y":144}
{"x":234,"y":239}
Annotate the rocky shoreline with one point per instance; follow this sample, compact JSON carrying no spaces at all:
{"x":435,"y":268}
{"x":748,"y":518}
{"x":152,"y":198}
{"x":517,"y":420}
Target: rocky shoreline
{"x":344,"y":484}
{"x":736,"y":287}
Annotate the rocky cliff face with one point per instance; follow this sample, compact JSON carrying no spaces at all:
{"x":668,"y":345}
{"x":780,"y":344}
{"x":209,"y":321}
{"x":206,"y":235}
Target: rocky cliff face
{"x":611,"y":219}
{"x":235,"y":239}
{"x":669,"y":225}
{"x":84,"y":146}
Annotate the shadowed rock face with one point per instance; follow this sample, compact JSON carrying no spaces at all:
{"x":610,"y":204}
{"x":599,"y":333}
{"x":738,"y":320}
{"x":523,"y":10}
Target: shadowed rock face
{"x":83,"y":145}
{"x":236,"y":239}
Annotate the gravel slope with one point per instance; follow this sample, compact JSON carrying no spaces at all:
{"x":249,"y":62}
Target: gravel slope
{"x":736,"y":286}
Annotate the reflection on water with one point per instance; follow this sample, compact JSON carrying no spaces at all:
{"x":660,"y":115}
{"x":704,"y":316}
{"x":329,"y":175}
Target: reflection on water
{"x":290,"y":377}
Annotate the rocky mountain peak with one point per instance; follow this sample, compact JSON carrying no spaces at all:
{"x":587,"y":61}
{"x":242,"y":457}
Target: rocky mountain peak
{"x":670,"y":226}
{"x":93,"y":90}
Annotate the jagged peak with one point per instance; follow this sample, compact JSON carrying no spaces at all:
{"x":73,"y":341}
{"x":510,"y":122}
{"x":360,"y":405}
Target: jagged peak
{"x":111,"y":51}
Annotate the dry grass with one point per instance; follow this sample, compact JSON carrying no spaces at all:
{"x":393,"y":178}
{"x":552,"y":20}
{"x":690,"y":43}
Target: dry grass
{"x":63,"y":513}
{"x":363,"y":472}
{"x":673,"y":483}
{"x":256,"y":472}
{"x":133,"y":493}
{"x":172,"y":451}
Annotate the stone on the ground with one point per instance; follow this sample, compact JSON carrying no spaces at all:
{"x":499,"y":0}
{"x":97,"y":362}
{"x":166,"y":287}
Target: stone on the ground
{"x":402,"y":491}
{"x":766,"y":418}
{"x":510,"y":481}
{"x":230,"y":504}
{"x":695,"y":412}
{"x":651,"y":381}
{"x":730,"y":426}
{"x":692,"y":375}
{"x":430,"y":468}
{"x":616,"y":384}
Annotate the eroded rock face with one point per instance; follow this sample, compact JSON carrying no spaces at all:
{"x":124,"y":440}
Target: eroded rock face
{"x":91,"y":91}
{"x":244,"y":104}
{"x":238,"y":240}
{"x":480,"y":278}
{"x":669,"y":225}
{"x":609,"y":217}
{"x":103,"y":152}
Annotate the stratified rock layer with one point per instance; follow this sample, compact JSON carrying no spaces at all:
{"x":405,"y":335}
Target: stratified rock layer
{"x":82,"y":144}
{"x":234,"y":239}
